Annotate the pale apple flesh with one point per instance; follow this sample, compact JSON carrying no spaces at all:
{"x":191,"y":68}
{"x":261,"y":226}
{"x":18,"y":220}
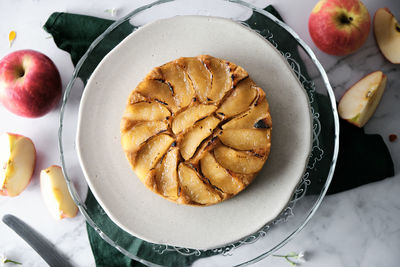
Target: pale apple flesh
{"x":387,"y":34}
{"x":17,"y":159}
{"x":55,"y":193}
{"x":359,"y":102}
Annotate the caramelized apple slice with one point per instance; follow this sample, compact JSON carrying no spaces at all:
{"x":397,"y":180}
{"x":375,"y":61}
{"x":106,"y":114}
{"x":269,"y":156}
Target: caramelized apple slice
{"x":221,"y":78}
{"x":199,"y":75}
{"x":257,"y":117}
{"x":192,"y":139}
{"x":240,"y":99}
{"x":238,"y":161}
{"x":150,"y":154}
{"x":178,"y":80}
{"x":188,"y":117}
{"x":219,"y":176}
{"x":257,"y":140}
{"x":195,"y":188}
{"x":158,"y":91}
{"x":167,"y":174}
{"x":140,"y":133}
{"x":145,"y":111}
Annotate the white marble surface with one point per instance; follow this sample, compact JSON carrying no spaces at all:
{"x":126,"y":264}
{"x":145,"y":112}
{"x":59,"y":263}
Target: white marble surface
{"x":359,"y":227}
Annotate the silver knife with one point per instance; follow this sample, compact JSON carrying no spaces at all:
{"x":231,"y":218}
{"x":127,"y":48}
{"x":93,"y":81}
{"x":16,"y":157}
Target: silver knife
{"x":38,"y":242}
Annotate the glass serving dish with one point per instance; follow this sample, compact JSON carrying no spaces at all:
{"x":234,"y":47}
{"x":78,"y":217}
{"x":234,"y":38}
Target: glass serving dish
{"x":308,"y":193}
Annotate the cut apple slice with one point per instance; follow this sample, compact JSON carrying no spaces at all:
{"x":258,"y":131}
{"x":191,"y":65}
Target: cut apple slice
{"x":221,"y":78}
{"x":257,"y":117}
{"x":195,"y":188}
{"x":238,"y":161}
{"x":140,"y":133}
{"x":359,"y":102}
{"x":145,"y":111}
{"x":218,"y":176}
{"x":178,"y":80}
{"x":199,"y":75}
{"x":257,"y":140}
{"x":167,"y":174}
{"x":188,"y":117}
{"x":387,"y":34}
{"x":158,"y":91}
{"x":240,"y":99}
{"x":150,"y":154}
{"x":193,"y":138}
{"x":17,"y":158}
{"x":55,"y":193}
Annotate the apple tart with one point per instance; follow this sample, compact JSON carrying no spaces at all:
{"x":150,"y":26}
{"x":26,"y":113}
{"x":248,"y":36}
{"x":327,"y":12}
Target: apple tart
{"x":197,"y":130}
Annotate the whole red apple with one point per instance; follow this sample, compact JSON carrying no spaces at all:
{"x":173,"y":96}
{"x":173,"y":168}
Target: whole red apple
{"x":30,"y":84}
{"x":339,"y":27}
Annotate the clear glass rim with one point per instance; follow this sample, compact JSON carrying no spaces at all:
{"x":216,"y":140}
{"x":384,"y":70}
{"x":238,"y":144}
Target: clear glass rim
{"x":308,"y":51}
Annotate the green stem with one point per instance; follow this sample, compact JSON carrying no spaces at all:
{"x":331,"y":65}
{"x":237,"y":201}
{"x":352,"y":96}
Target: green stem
{"x":11,"y":261}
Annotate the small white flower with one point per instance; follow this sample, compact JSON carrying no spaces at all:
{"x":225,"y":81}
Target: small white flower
{"x":301,"y":256}
{"x":112,"y":11}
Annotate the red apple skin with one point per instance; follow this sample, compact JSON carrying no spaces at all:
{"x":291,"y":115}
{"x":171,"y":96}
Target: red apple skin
{"x":333,"y":36}
{"x":30,"y":84}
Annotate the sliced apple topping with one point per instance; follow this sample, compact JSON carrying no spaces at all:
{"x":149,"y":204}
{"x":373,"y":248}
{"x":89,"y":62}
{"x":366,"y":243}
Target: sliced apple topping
{"x":167,"y":174}
{"x":251,"y":118}
{"x":257,"y":140}
{"x":188,"y":117}
{"x":238,"y":161}
{"x":240,"y":99}
{"x":387,"y":34}
{"x":359,"y":103}
{"x":146,"y":111}
{"x":132,"y":140}
{"x":195,"y":188}
{"x":150,"y":154}
{"x":193,"y":138}
{"x":199,"y":75}
{"x":17,"y":159}
{"x":158,"y":91}
{"x":221,"y":78}
{"x":218,"y":176}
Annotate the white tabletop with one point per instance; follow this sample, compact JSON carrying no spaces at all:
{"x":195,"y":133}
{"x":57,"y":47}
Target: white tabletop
{"x":359,"y":227}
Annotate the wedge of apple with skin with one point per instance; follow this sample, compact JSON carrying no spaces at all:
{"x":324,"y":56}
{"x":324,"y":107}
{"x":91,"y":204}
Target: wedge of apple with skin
{"x":17,"y":159}
{"x":55,"y":193}
{"x":387,"y":34}
{"x":359,"y":102}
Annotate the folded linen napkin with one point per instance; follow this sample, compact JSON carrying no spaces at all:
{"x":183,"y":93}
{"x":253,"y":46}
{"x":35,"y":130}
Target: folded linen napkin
{"x":75,"y":33}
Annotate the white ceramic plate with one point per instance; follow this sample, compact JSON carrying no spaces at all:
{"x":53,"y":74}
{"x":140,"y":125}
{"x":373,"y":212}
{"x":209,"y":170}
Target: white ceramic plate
{"x":125,"y":199}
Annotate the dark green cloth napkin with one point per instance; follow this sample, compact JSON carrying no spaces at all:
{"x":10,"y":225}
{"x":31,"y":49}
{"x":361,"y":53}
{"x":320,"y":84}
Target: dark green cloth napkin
{"x":363,"y":158}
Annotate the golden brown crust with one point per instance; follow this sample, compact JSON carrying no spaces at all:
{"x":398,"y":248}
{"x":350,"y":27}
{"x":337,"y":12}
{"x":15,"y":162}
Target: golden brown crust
{"x":197,"y":130}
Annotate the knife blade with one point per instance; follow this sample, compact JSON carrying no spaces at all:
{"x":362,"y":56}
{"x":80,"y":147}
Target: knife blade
{"x":37,"y":241}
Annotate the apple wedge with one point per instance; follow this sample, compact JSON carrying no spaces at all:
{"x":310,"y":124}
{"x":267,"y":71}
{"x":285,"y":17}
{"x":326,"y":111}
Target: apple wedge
{"x":195,"y":188}
{"x":238,"y":161}
{"x":158,"y":91}
{"x":193,"y":138}
{"x":199,"y":75}
{"x":132,"y":139}
{"x":145,"y":111}
{"x":188,"y":117}
{"x":256,"y":140}
{"x":150,"y":154}
{"x":17,"y":158}
{"x":55,"y":193}
{"x":359,"y":102}
{"x":221,"y":78}
{"x":240,"y":99}
{"x":167,"y":174}
{"x":257,"y":117}
{"x":219,"y":176}
{"x":387,"y":34}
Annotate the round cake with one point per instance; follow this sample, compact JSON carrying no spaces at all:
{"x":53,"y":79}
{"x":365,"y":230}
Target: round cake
{"x":197,"y":130}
